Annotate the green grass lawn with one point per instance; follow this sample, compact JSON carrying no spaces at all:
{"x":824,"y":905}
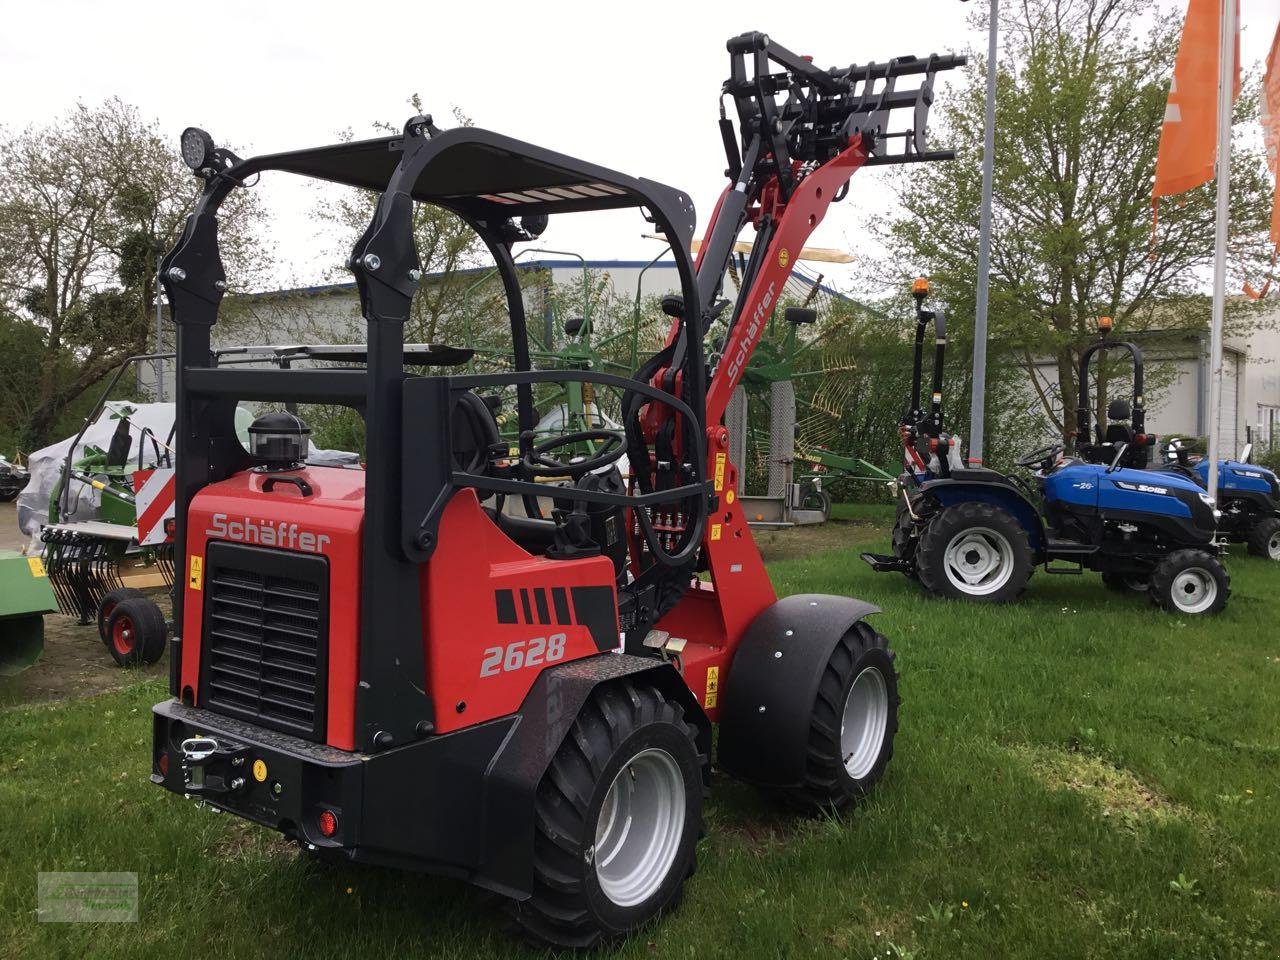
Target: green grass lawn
{"x":1077,"y":775}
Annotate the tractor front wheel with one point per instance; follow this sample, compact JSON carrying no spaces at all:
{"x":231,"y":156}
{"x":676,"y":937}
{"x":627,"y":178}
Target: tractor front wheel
{"x":136,"y":632}
{"x":618,"y":815}
{"x":974,"y":551}
{"x":1190,"y":582}
{"x":1264,"y":538}
{"x":855,"y":719}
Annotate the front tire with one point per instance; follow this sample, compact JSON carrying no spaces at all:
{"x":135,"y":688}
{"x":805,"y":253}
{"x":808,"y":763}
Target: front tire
{"x":1190,"y":582}
{"x":1264,"y":538}
{"x":618,"y":815}
{"x":855,"y":719}
{"x":974,"y":551}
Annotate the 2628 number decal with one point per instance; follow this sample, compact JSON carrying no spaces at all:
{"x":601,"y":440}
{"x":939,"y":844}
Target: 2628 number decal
{"x":522,"y":653}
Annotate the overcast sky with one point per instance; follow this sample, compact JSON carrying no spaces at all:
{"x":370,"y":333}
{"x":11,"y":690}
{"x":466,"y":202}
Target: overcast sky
{"x":631,"y":86}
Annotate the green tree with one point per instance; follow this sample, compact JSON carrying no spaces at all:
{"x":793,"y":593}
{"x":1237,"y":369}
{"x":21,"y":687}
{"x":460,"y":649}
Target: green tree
{"x":86,"y":204}
{"x":1082,"y":86}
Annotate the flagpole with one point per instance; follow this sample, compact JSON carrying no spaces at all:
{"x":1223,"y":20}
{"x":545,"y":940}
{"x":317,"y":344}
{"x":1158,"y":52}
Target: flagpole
{"x":1226,"y":90}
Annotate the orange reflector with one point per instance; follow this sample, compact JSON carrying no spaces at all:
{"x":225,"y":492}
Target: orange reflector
{"x":162,"y":765}
{"x":327,"y":822}
{"x":920,"y":285}
{"x":1105,"y":324}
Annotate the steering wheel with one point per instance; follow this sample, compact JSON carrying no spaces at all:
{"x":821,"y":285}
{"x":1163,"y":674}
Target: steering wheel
{"x":1040,"y":456}
{"x":538,"y":462}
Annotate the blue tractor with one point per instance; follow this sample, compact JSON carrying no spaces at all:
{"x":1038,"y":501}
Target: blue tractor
{"x":1248,"y":496}
{"x":977,"y":534}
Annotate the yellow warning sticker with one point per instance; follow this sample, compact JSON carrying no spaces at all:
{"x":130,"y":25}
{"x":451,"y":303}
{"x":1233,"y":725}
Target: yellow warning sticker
{"x":260,"y":770}
{"x":37,"y":567}
{"x":729,"y":497}
{"x":713,"y":687}
{"x":720,"y":460}
{"x":195,"y":579}
{"x":715,"y":531}
{"x":784,"y":257}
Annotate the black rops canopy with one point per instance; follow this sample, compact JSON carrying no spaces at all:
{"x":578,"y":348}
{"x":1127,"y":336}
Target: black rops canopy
{"x":479,"y":173}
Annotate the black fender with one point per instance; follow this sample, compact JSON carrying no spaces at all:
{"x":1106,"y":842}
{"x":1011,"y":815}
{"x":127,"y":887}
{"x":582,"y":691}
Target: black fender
{"x":512,"y":776}
{"x":769,"y":699}
{"x":1001,"y":494}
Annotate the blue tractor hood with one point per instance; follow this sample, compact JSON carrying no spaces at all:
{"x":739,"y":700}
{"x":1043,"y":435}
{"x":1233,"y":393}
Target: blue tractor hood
{"x":1237,"y":477}
{"x":1131,"y":494}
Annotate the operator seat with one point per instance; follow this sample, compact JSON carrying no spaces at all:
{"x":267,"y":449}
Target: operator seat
{"x":1119,"y":429}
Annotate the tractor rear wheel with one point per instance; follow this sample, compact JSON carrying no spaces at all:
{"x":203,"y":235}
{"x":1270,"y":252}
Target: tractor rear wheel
{"x":1190,"y":582}
{"x":617,"y":815}
{"x":1264,"y":538}
{"x":905,"y":542}
{"x":136,"y":632}
{"x":109,"y":602}
{"x":1126,"y":582}
{"x":974,"y":551}
{"x":855,"y":718}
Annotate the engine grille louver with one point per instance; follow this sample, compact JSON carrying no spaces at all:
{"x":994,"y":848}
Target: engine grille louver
{"x":264,"y":648}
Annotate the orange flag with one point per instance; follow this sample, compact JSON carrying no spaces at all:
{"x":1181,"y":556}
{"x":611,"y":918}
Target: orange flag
{"x":1270,"y":117}
{"x":1187,"y":142}
{"x":1271,"y":128}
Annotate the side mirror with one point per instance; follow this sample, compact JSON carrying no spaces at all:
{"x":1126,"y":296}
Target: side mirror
{"x":798,"y":315}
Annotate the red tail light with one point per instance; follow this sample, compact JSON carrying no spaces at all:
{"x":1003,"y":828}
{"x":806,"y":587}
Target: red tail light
{"x":327,"y":822}
{"x":162,"y":764}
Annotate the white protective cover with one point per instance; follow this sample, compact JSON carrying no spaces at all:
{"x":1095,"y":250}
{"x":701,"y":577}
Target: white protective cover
{"x":46,"y":464}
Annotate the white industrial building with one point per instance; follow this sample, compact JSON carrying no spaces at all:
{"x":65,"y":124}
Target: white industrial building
{"x":1178,"y":402}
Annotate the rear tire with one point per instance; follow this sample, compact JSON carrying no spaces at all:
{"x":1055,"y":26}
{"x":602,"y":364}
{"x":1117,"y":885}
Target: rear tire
{"x":905,"y":542}
{"x":1190,"y":582}
{"x":974,"y":551}
{"x":136,"y":632}
{"x":1264,"y":538}
{"x":855,"y":718}
{"x":109,"y":603}
{"x":617,"y":816}
{"x":1126,"y":582}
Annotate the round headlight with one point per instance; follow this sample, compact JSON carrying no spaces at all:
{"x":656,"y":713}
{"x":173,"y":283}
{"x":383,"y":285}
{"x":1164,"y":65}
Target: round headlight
{"x":197,"y":147}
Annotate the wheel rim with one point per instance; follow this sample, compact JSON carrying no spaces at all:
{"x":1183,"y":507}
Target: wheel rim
{"x":1273,"y":546}
{"x":1194,"y":590}
{"x":122,"y":636}
{"x":639,"y":827}
{"x":979,"y":561}
{"x":863,"y":723}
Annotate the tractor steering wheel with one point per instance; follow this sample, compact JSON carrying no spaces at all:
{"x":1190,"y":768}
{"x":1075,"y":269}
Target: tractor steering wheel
{"x":539,"y":463}
{"x":1041,"y":457}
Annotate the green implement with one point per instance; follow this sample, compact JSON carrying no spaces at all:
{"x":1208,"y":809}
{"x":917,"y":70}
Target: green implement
{"x":25,"y":597}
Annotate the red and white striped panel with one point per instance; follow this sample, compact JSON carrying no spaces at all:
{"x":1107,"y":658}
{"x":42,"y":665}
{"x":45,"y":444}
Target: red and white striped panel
{"x":154,"y":491}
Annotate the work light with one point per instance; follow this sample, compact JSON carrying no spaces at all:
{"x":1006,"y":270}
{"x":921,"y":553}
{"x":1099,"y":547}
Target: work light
{"x":197,"y":148}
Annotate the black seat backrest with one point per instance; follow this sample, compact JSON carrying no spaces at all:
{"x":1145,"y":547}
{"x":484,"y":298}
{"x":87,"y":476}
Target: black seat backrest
{"x":1118,"y":433}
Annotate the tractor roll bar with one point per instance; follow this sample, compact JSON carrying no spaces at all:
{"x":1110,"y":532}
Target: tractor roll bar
{"x":1084,"y":417}
{"x":916,"y":415}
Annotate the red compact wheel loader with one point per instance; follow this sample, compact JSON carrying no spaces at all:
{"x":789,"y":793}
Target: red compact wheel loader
{"x":413,"y":664}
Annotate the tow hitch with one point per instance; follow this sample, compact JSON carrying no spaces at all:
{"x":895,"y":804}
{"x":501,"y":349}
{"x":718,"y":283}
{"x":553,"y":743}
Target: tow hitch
{"x":210,"y":767}
{"x":881,"y":563}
